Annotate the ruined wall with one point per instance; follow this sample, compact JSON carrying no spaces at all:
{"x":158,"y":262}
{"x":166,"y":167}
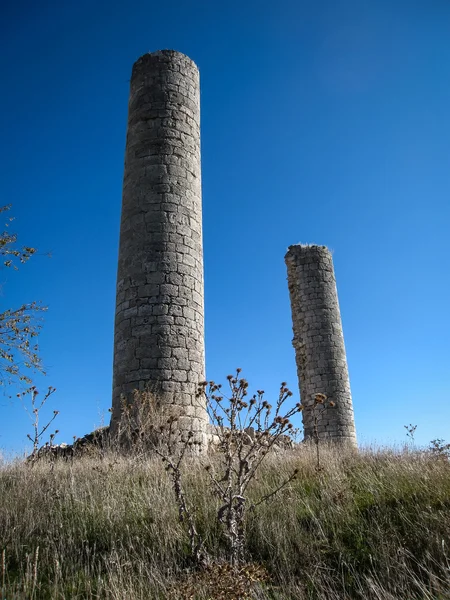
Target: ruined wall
{"x":159,"y":325}
{"x":319,"y":341}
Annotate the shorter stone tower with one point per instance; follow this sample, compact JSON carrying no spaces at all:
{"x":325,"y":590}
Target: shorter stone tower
{"x":319,"y":342}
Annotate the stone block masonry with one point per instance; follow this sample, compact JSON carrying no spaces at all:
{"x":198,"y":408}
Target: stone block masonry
{"x":319,"y":342}
{"x":159,"y":324}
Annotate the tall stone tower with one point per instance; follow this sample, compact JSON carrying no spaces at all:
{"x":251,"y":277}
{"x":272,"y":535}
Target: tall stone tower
{"x":159,"y":326}
{"x":319,"y":341}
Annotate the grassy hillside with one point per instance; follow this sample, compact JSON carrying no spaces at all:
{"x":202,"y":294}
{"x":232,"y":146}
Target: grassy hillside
{"x":373,"y":525}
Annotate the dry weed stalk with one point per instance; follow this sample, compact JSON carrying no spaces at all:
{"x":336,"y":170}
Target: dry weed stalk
{"x":3,"y":572}
{"x":38,"y":431}
{"x":247,"y":432}
{"x":172,"y":450}
{"x":144,"y":429}
{"x":410,"y":432}
{"x":139,"y":424}
{"x":439,"y":448}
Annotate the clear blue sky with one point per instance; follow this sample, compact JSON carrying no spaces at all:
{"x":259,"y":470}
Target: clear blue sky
{"x":326,"y":121}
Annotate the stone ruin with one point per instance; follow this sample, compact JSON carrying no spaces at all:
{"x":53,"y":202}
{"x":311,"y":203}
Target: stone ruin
{"x":319,"y":342}
{"x":159,"y":323}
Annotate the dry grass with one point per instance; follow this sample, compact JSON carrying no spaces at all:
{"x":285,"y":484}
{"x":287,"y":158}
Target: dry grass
{"x":373,"y":525}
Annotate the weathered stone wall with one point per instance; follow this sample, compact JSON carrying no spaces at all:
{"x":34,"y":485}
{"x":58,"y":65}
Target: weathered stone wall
{"x":319,"y":341}
{"x":159,"y":326}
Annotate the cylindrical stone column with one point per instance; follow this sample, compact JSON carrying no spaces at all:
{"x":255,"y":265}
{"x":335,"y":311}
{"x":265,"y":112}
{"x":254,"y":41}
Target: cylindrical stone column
{"x":159,"y":326}
{"x":319,"y":342}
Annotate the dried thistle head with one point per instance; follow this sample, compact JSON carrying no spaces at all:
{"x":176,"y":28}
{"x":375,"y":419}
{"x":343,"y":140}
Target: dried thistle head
{"x":319,"y":398}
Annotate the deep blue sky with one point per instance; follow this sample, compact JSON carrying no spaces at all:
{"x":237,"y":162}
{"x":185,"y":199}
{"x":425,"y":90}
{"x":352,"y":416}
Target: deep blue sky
{"x":324,"y":121}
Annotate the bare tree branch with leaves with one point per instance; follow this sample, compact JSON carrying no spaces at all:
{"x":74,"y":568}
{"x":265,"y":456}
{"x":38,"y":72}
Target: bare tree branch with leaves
{"x":19,"y":328}
{"x":8,"y":250}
